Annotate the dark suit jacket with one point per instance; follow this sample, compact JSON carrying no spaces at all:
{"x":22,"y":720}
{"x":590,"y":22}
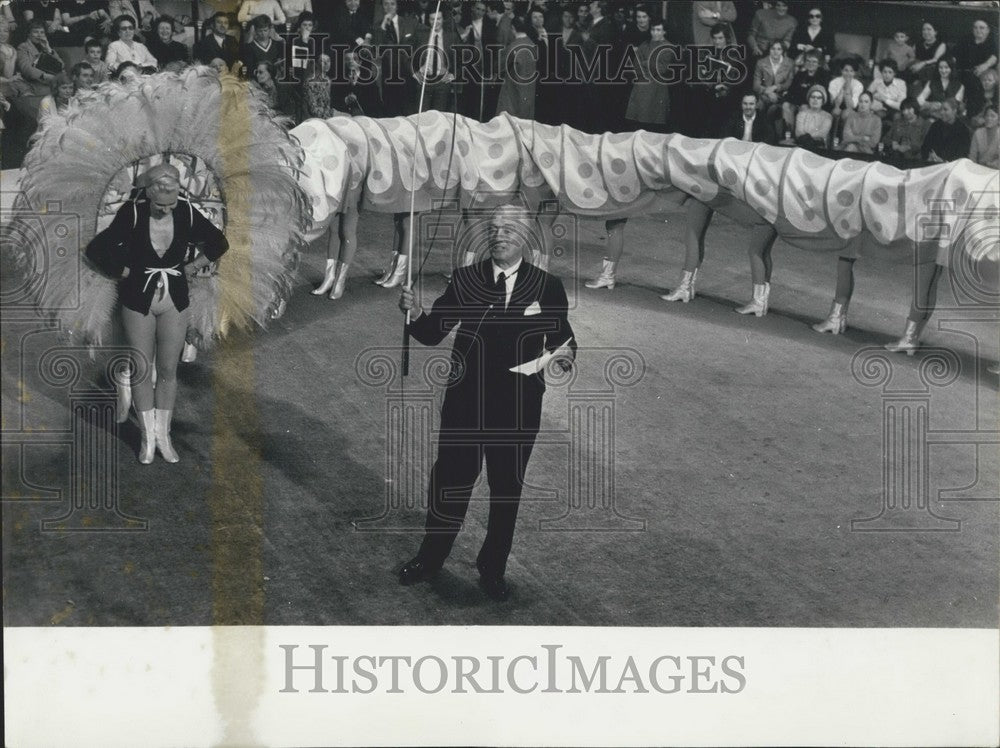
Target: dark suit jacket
{"x":761,"y":132}
{"x":483,"y":394}
{"x":208,"y":49}
{"x":604,"y":32}
{"x":448,"y":40}
{"x":125,"y":244}
{"x":347,"y":28}
{"x":489,"y":37}
{"x":408,"y":28}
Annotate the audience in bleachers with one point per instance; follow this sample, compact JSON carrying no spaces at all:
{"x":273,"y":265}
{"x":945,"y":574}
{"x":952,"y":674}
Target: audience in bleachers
{"x":62,"y":90}
{"x":261,"y":46}
{"x":944,"y":84}
{"x":772,"y":78}
{"x":887,"y":90}
{"x":845,"y":90}
{"x":906,"y":135}
{"x":812,"y":74}
{"x":947,"y":137}
{"x":805,"y":89}
{"x":812,"y":37}
{"x":94,"y":54}
{"x":82,"y":75}
{"x":977,"y":53}
{"x":771,"y":25}
{"x":169,"y":53}
{"x":217,"y":44}
{"x":813,"y":122}
{"x":928,"y":50}
{"x":985,"y":148}
{"x":899,"y":50}
{"x":862,"y":128}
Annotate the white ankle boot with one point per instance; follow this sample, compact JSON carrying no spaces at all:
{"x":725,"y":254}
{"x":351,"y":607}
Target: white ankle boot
{"x":329,"y":276}
{"x":341,"y":283}
{"x":907,"y":344}
{"x":161,"y":421}
{"x":836,"y":322}
{"x":607,"y":277}
{"x":123,"y":388}
{"x":685,"y":291}
{"x":389,"y":270}
{"x":398,"y":274}
{"x":190,"y":353}
{"x":761,"y":297}
{"x":147,"y":445}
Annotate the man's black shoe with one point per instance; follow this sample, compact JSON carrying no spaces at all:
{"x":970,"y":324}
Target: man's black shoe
{"x":496,"y":588}
{"x":416,"y":570}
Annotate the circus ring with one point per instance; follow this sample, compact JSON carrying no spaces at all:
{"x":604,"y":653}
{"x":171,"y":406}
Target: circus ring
{"x":749,"y":452}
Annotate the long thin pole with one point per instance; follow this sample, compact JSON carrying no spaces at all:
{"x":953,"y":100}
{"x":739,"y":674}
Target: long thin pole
{"x":413,"y":192}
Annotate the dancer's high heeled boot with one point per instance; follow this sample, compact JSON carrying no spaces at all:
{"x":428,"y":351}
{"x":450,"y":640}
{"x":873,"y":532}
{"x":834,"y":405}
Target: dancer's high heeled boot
{"x":399,"y":274}
{"x":909,"y":343}
{"x":341,"y":282}
{"x":761,"y":297}
{"x":329,"y":277}
{"x":123,"y":388}
{"x":161,"y":431}
{"x":384,"y":278}
{"x":190,"y":353}
{"x":147,"y":445}
{"x":607,"y":277}
{"x":685,"y":291}
{"x":836,"y":322}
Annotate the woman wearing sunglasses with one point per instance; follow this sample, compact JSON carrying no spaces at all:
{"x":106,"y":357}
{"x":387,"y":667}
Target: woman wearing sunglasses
{"x":126,"y":49}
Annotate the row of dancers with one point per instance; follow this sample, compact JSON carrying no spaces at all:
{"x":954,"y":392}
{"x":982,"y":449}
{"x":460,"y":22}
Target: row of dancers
{"x":150,"y":249}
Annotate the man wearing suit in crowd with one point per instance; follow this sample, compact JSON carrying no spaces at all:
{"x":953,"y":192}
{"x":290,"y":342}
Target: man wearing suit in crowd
{"x":422,"y":12}
{"x":392,"y":30}
{"x":351,"y":24}
{"x":750,"y":124}
{"x":508,"y":313}
{"x":480,"y":91}
{"x":501,"y":19}
{"x":217,"y":43}
{"x":433,"y":53}
{"x":606,"y":101}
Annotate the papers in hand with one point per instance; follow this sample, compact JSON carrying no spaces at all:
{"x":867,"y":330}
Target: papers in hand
{"x":536,"y":365}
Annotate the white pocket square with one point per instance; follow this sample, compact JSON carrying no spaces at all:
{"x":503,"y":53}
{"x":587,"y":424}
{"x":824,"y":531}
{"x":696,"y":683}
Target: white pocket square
{"x":532,"y":309}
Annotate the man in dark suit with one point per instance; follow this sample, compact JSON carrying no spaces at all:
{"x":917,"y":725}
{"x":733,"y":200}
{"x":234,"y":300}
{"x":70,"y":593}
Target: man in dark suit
{"x":606,"y":99}
{"x":480,"y":92}
{"x":422,"y":12}
{"x":508,"y":313}
{"x":351,"y":25}
{"x":751,"y":124}
{"x":393,"y":36}
{"x":434,"y":59}
{"x":217,"y":43}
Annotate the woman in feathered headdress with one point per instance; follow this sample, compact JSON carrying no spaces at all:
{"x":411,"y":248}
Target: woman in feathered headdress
{"x":211,"y":140}
{"x":150,"y":246}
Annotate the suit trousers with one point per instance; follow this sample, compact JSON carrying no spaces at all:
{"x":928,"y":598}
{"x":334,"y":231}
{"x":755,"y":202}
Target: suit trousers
{"x":506,"y":444}
{"x":436,"y":96}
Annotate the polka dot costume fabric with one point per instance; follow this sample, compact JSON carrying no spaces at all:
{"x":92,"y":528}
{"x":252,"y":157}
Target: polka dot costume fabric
{"x":813,"y":202}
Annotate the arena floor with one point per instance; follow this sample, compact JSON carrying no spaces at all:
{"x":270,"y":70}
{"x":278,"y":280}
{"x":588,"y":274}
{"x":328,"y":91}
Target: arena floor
{"x":743,"y":450}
